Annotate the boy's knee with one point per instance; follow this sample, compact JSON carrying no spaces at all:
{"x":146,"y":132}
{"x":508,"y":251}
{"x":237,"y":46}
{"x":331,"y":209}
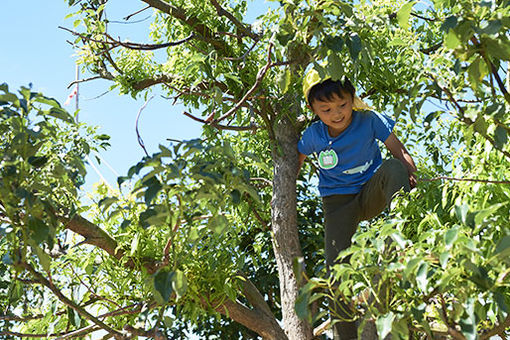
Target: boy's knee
{"x":397,"y":171}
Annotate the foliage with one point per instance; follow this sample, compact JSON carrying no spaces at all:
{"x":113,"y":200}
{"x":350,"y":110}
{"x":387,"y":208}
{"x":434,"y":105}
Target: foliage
{"x":191,"y":240}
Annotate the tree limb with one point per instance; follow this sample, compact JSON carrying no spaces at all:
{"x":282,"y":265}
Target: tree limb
{"x":240,"y":26}
{"x":255,"y":320}
{"x":69,"y":302}
{"x":219,"y":126}
{"x":203,"y":32}
{"x":496,"y":330}
{"x":258,"y":81}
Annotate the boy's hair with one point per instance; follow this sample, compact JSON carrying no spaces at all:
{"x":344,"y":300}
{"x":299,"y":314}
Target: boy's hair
{"x":325,"y":90}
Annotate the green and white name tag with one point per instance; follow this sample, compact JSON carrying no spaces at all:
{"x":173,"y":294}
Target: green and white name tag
{"x":328,"y":159}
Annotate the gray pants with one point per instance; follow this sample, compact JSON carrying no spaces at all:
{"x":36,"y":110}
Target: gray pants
{"x":342,"y":214}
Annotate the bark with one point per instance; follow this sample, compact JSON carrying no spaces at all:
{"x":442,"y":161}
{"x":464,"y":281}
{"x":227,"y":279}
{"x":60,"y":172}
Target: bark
{"x":284,"y":225}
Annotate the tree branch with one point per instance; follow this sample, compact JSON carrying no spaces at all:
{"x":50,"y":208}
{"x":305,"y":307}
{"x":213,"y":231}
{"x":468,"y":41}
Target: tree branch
{"x":255,"y":320}
{"x":203,"y":32}
{"x":219,"y":126}
{"x":498,"y":329}
{"x":465,"y":119}
{"x":68,"y":302}
{"x":493,"y":69}
{"x":242,"y":28}
{"x":254,"y":297}
{"x":258,"y":81}
{"x":63,"y":335}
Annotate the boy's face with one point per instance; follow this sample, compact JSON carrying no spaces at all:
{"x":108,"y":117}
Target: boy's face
{"x":336,"y":114}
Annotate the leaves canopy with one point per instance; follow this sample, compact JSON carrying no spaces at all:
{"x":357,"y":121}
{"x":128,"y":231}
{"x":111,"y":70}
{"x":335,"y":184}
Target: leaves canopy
{"x":188,"y":235}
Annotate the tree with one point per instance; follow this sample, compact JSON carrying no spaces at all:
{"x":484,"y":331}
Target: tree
{"x":190,"y":240}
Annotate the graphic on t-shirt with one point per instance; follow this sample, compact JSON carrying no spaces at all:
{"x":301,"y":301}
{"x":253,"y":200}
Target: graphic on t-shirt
{"x":359,"y":169}
{"x":328,"y":159}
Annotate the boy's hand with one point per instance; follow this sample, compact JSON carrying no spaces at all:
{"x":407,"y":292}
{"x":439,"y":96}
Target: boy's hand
{"x":412,"y":180}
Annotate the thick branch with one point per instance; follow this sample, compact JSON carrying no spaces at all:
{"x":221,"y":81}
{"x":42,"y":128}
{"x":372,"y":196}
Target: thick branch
{"x":253,"y":296}
{"x":257,"y":321}
{"x":97,"y":237}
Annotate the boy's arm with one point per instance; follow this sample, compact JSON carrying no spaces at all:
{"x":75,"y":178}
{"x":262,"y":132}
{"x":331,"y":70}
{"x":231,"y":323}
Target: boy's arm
{"x":399,"y":151}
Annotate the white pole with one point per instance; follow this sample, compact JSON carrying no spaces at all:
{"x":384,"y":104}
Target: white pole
{"x":77,"y":90}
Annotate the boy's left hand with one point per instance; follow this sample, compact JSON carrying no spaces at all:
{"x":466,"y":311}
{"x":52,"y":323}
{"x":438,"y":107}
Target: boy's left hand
{"x":412,"y":180}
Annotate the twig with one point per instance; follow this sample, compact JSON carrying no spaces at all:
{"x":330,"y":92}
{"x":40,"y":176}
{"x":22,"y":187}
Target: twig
{"x":137,"y":12}
{"x":461,"y":180}
{"x":129,"y":45}
{"x":494,"y":70}
{"x":244,"y":55}
{"x":223,"y":12}
{"x":219,"y":126}
{"x":131,"y":22}
{"x":83,"y":80}
{"x":140,"y":140}
{"x":465,"y":119}
{"x":258,"y":80}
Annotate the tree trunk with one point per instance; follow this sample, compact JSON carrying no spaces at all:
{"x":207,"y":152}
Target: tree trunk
{"x":284,"y":225}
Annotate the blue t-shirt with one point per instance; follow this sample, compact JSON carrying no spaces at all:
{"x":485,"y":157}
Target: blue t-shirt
{"x":347,"y":161}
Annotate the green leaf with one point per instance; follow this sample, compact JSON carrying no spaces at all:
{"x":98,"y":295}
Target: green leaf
{"x":218,"y":224}
{"x":450,"y":237}
{"x":451,"y":40}
{"x":236,"y":196}
{"x":396,"y":42}
{"x":180,"y":283}
{"x":492,"y":27}
{"x":334,"y":44}
{"x":61,"y":114}
{"x":355,"y":45}
{"x":283,"y":80}
{"x":134,"y":244}
{"x":384,"y":324}
{"x":421,"y":276}
{"x":449,"y":23}
{"x":39,"y":231}
{"x":44,"y":259}
{"x":74,"y":317}
{"x":468,"y":323}
{"x":483,"y":214}
{"x":144,"y":216}
{"x":497,"y":48}
{"x":500,"y":137}
{"x":10,"y":98}
{"x":301,"y":306}
{"x":335,"y":67}
{"x":154,"y":186}
{"x":46,"y":100}
{"x":106,"y":202}
{"x":503,"y":247}
{"x":37,"y":161}
{"x":404,"y":13}
{"x":163,"y":284}
{"x":461,"y":212}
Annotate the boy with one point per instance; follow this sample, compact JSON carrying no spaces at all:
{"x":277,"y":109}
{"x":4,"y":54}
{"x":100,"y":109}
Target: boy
{"x":354,"y":183}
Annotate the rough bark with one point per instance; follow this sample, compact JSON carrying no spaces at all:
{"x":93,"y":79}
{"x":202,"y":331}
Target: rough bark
{"x":284,"y":225}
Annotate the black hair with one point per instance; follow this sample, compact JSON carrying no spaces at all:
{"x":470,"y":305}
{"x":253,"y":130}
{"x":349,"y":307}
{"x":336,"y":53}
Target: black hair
{"x":325,"y":90}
